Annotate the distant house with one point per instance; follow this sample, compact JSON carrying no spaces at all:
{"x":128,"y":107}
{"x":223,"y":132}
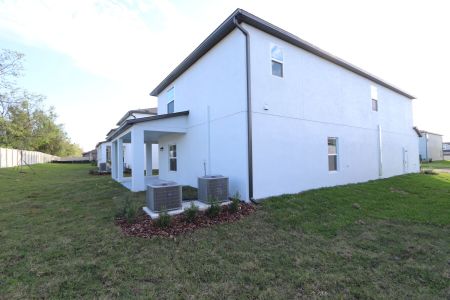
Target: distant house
{"x":273,"y":113}
{"x":430,"y":146}
{"x":92,"y":155}
{"x":446,"y":150}
{"x":104,"y":148}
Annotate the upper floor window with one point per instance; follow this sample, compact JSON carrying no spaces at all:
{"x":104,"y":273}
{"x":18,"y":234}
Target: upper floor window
{"x":170,"y":101}
{"x":332,"y":154}
{"x":276,"y":54}
{"x":374,"y":97}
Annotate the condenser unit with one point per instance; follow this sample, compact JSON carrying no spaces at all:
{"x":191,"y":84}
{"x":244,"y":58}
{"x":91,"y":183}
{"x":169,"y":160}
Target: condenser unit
{"x":213,"y":188}
{"x":164,"y":196}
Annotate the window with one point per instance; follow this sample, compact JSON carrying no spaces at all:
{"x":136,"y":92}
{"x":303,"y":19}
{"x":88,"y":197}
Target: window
{"x":170,"y":101}
{"x":276,"y":54}
{"x":374,"y":96}
{"x":173,"y":157}
{"x":332,"y":154}
{"x":108,"y":153}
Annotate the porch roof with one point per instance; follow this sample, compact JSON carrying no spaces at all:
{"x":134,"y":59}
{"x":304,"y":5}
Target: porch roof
{"x":130,"y":123}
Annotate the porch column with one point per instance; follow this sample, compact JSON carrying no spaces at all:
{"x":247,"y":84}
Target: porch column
{"x":148,"y":159}
{"x":114,"y":160}
{"x":137,"y":150}
{"x":119,"y":159}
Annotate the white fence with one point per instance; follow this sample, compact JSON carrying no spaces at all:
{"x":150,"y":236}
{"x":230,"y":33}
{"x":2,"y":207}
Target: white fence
{"x":14,"y":157}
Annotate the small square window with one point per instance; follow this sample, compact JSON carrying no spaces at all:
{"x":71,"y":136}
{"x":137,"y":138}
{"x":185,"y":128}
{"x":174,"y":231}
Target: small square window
{"x":374,"y":105}
{"x":277,"y":68}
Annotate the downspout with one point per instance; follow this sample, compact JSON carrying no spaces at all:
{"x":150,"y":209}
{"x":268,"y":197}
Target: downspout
{"x":249,"y":110}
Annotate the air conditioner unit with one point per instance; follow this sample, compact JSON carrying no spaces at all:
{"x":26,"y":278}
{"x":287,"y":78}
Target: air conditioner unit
{"x":213,"y":187}
{"x":164,"y":196}
{"x":102,"y":167}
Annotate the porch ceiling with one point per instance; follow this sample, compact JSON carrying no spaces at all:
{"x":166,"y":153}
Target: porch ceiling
{"x":153,"y":127}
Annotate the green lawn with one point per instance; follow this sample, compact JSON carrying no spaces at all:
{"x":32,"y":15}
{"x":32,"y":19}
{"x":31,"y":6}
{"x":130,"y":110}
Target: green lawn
{"x":440,"y":164}
{"x":382,"y":239}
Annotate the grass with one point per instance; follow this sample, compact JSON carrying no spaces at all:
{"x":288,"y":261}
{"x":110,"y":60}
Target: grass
{"x":439,"y":164}
{"x":382,"y":239}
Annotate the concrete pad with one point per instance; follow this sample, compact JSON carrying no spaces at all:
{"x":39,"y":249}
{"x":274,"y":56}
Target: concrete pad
{"x":184,"y":205}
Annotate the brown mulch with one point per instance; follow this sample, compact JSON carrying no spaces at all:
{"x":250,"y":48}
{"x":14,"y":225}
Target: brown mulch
{"x":146,"y":227}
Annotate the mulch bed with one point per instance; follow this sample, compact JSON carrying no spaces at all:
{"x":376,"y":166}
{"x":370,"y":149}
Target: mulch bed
{"x":146,"y":227}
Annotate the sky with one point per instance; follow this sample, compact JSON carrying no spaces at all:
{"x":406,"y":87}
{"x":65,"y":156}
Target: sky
{"x":95,"y":60}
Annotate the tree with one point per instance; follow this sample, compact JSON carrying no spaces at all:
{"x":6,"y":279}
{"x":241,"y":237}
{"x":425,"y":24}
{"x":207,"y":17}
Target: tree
{"x":25,"y":123}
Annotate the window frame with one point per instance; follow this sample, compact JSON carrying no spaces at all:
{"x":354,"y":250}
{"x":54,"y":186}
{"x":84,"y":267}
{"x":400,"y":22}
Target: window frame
{"x":173,"y":158}
{"x":276,"y":60}
{"x":336,"y":139}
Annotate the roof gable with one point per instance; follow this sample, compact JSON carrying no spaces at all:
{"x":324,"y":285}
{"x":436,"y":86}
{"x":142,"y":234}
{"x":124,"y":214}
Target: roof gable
{"x":242,"y":16}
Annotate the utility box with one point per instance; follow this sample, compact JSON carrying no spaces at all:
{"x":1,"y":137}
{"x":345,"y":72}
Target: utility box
{"x":164,"y":196}
{"x":213,"y":187}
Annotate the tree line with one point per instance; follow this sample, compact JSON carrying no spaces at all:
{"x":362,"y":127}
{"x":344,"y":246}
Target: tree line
{"x":25,"y":122}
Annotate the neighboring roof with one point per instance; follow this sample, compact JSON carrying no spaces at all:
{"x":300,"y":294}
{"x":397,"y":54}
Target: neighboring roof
{"x":111,"y":131}
{"x":128,"y":123}
{"x":145,"y":111}
{"x":99,"y":143}
{"x":423,"y":131}
{"x":90,"y":151}
{"x":417,"y":131}
{"x":242,"y":16}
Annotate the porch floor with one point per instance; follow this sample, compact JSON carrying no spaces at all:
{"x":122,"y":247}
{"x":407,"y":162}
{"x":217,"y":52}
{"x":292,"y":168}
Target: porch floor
{"x":184,"y":204}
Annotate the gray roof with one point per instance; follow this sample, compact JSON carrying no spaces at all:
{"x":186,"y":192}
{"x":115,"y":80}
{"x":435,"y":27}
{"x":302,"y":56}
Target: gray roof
{"x":145,"y":111}
{"x":242,"y":16}
{"x":128,"y":123}
{"x":424,"y":131}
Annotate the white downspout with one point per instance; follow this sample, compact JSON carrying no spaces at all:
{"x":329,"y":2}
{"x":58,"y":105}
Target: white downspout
{"x":380,"y":153}
{"x":209,"y":138}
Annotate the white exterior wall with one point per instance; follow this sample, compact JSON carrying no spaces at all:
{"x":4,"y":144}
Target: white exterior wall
{"x":314,"y":100}
{"x":101,"y":152}
{"x":217,"y":80}
{"x":431,"y":146}
{"x":423,"y":147}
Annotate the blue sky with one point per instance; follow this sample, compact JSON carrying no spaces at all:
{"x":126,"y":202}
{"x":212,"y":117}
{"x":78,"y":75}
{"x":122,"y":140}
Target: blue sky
{"x":95,"y":60}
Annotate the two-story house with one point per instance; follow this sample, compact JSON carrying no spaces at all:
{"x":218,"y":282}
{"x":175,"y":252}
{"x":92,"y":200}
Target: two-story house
{"x":273,"y":113}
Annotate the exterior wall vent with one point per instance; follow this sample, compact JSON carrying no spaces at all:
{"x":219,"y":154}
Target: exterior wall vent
{"x":164,"y":196}
{"x":213,"y":187}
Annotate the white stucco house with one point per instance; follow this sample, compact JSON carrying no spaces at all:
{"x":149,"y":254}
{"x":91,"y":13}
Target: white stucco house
{"x":273,"y":113}
{"x":430,"y":146}
{"x":104,"y":148}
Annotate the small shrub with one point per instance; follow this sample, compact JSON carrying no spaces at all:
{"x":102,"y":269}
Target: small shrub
{"x":191,"y":213}
{"x":214,"y":208}
{"x":128,"y":208}
{"x":235,"y":201}
{"x":163,"y":220}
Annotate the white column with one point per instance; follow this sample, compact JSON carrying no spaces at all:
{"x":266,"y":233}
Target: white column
{"x":137,"y":158}
{"x":148,"y":159}
{"x":114,"y":160}
{"x":119,"y":159}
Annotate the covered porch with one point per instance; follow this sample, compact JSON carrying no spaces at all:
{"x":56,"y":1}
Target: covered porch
{"x":141,"y":134}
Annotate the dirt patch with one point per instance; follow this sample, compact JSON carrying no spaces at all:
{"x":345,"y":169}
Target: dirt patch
{"x":146,"y":227}
{"x":398,"y":191}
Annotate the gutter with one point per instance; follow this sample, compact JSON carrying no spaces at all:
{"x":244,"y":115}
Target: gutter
{"x":249,"y":110}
